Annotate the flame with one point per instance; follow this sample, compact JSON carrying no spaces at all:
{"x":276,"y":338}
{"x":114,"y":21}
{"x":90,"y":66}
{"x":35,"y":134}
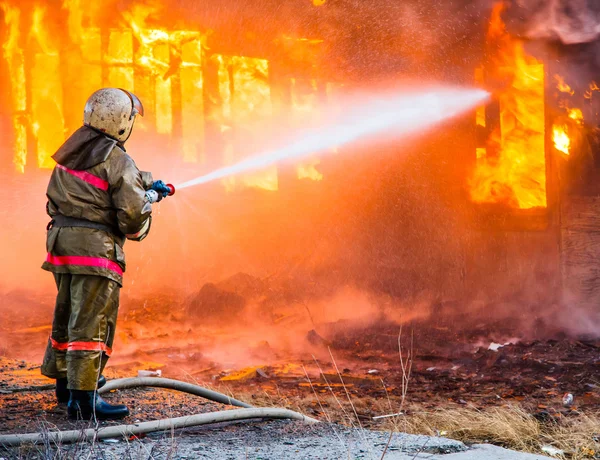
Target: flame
{"x":246,"y":97}
{"x":562,"y":142}
{"x":75,"y":19}
{"x":253,"y":101}
{"x":165,"y":68}
{"x":562,"y":86}
{"x":576,"y":114}
{"x":160,"y":55}
{"x":562,"y":128}
{"x":46,"y":92}
{"x":16,"y":67}
{"x":309,"y":171}
{"x":512,"y":170}
{"x":593,"y":87}
{"x":480,"y":111}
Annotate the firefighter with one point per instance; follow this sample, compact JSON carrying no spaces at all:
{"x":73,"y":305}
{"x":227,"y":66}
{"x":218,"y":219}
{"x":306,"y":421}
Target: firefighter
{"x":97,"y":198}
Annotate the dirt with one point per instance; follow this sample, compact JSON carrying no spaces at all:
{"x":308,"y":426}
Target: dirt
{"x":342,"y":371}
{"x":535,"y":375}
{"x":27,"y":402}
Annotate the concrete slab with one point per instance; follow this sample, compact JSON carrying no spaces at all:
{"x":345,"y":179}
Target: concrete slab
{"x":370,"y":445}
{"x":487,"y":452}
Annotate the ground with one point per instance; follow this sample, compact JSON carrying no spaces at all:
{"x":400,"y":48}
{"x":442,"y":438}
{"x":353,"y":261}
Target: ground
{"x":294,"y":440}
{"x":477,"y":383}
{"x":512,"y":397}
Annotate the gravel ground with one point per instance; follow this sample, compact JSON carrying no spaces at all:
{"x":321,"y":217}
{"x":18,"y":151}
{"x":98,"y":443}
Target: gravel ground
{"x":275,"y":440}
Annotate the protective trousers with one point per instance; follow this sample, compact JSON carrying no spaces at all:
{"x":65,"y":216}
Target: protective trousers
{"x":83,"y":330}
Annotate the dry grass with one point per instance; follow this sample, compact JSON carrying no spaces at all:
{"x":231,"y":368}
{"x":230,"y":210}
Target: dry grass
{"x":510,"y":427}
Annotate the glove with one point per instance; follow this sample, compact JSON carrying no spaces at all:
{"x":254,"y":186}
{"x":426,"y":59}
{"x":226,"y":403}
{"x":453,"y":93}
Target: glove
{"x":161,"y":188}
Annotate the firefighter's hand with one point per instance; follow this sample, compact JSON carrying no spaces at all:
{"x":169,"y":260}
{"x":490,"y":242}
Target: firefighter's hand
{"x":161,"y":188}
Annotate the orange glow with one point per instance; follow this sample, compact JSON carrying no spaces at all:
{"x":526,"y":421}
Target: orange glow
{"x":304,"y":105}
{"x":512,"y":169}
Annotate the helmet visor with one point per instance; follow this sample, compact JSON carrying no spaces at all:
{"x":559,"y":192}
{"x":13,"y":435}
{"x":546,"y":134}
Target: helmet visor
{"x":136,"y":104}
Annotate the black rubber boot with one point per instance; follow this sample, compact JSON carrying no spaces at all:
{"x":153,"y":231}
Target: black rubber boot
{"x":84,"y":405}
{"x":62,"y":390}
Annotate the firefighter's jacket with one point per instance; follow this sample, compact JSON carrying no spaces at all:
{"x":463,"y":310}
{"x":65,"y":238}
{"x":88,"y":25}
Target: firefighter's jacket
{"x":95,"y":181}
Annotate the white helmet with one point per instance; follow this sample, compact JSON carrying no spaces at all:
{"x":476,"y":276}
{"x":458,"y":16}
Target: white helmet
{"x":112,"y":111}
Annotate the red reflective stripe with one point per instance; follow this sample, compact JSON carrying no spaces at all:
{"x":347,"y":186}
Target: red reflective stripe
{"x":87,"y":177}
{"x":81,"y":346}
{"x":62,"y":346}
{"x":85,"y":261}
{"x":89,"y":346}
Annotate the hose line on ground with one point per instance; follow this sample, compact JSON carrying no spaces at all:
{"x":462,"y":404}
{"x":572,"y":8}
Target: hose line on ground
{"x":178,"y":385}
{"x":247,"y":413}
{"x":57,"y":437}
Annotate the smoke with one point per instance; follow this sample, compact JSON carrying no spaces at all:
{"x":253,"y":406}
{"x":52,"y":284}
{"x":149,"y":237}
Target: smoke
{"x":570,"y":21}
{"x":564,"y":34}
{"x":358,"y":40}
{"x":268,"y":329}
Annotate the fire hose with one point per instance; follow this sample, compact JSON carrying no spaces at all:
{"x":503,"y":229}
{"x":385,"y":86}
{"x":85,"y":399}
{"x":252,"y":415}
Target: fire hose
{"x":125,"y":431}
{"x":178,"y":385}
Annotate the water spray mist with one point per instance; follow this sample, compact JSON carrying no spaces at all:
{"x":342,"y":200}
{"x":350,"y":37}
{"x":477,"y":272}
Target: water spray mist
{"x":396,"y":115}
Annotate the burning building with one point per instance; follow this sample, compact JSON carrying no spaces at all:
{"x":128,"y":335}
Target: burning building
{"x":535,"y":170}
{"x":200,"y":90}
